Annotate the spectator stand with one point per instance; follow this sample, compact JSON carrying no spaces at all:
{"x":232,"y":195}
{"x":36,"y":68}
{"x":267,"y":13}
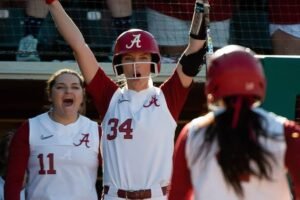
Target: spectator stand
{"x":250,"y":26}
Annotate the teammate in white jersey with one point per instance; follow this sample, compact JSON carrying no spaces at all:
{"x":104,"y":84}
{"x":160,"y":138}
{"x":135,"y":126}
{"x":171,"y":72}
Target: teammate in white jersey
{"x":139,"y":119}
{"x":238,"y":151}
{"x":58,"y":149}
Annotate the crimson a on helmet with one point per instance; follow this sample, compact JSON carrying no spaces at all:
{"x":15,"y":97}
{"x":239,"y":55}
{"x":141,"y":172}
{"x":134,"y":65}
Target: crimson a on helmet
{"x":234,"y":70}
{"x":136,"y":40}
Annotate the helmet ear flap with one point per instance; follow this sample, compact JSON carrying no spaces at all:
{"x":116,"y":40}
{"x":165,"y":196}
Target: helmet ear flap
{"x":117,"y":60}
{"x":156,"y":59}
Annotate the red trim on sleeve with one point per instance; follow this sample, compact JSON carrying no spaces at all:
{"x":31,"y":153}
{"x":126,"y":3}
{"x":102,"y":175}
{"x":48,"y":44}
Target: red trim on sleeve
{"x":292,"y":156}
{"x":17,"y":163}
{"x":175,"y":94}
{"x":101,"y":89}
{"x":181,"y":186}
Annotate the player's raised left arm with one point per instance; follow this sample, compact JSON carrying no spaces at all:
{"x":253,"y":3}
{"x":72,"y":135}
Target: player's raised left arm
{"x":192,"y":58}
{"x":72,"y":35}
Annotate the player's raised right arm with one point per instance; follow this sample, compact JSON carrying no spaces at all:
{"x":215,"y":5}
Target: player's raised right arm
{"x":72,"y":35}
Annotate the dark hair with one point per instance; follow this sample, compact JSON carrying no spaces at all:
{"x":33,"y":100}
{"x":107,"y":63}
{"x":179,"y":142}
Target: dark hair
{"x":239,"y":145}
{"x":4,"y":148}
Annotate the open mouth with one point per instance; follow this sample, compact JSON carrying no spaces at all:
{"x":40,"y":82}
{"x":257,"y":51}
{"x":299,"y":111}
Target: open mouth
{"x":68,"y":102}
{"x":138,"y":75}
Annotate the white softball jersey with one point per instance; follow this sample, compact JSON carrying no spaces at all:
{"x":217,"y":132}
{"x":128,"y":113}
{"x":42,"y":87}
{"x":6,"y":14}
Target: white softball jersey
{"x":138,"y":141}
{"x":206,"y":174}
{"x":63,"y":159}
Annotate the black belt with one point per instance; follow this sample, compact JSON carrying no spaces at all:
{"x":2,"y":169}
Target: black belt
{"x":135,"y":194}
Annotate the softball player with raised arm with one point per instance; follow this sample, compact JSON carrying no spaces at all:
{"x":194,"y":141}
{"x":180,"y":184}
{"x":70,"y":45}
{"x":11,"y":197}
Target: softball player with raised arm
{"x":58,"y":150}
{"x":239,"y":151}
{"x":138,"y":119}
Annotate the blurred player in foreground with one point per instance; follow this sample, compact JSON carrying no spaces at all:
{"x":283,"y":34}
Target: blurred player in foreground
{"x":59,"y":148}
{"x":139,"y":119}
{"x":237,"y":151}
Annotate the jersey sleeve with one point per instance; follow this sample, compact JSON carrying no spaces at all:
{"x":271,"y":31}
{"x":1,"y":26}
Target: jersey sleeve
{"x":175,"y":94}
{"x":292,"y":156}
{"x":101,"y":89}
{"x":17,"y":163}
{"x":181,"y":186}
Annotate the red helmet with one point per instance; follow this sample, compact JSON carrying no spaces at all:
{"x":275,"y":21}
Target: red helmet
{"x":135,"y":40}
{"x":234,"y":70}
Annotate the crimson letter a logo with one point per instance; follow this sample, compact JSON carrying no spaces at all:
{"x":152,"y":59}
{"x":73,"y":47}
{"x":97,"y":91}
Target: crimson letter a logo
{"x":135,"y":41}
{"x":84,"y":139}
